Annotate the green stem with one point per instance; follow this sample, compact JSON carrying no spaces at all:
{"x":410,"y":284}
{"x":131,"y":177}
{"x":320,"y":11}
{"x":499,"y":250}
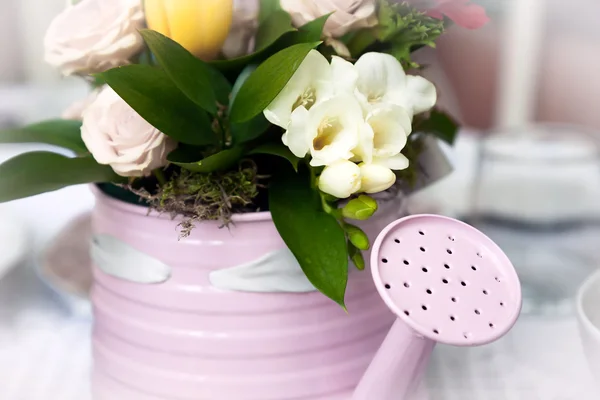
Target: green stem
{"x":160,"y":176}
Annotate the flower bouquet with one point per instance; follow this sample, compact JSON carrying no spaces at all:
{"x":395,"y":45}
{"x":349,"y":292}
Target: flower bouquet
{"x":296,"y":115}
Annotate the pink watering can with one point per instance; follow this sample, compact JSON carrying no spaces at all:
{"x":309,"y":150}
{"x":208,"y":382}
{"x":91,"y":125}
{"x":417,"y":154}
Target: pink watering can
{"x":446,"y":282}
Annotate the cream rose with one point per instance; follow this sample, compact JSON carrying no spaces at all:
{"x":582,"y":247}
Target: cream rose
{"x":348,"y":15}
{"x":75,"y":110}
{"x":94,"y":35}
{"x":241,"y":37}
{"x":118,"y":136}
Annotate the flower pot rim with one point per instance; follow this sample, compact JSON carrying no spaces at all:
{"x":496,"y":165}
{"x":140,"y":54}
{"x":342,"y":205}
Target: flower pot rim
{"x":144,"y":211}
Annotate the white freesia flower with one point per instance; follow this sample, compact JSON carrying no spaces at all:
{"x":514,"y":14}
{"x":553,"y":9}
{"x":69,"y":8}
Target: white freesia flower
{"x":118,"y":136}
{"x":94,"y":35}
{"x":375,"y":178}
{"x":340,"y":179}
{"x":314,"y":81}
{"x":241,"y":37}
{"x":381,"y":79}
{"x":311,"y":83}
{"x":329,"y":131}
{"x":344,"y":75}
{"x":346,"y":15}
{"x":385,"y":133}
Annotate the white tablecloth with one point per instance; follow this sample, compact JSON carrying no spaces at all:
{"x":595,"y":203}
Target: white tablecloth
{"x":44,"y":350}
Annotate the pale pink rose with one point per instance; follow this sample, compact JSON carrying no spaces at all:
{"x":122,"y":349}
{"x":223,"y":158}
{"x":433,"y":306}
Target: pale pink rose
{"x":75,"y":110}
{"x":95,"y":35}
{"x":118,"y":136}
{"x":461,"y":12}
{"x":241,"y":37}
{"x":348,"y":15}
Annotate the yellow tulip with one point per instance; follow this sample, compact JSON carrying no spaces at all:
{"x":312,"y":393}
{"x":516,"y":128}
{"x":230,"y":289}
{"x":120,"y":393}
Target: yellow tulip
{"x":201,"y":26}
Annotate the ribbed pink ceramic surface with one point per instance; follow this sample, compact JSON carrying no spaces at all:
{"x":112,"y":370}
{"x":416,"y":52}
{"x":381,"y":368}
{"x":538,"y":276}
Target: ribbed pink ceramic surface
{"x":186,"y":340}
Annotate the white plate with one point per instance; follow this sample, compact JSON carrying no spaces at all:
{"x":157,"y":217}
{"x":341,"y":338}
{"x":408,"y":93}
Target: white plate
{"x":64,"y":266}
{"x":14,"y":242}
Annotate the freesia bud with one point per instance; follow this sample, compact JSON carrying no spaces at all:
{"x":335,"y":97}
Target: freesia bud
{"x":357,"y":237}
{"x":376,"y":178}
{"x":201,"y":26}
{"x":340,"y":179}
{"x":356,"y":257}
{"x":361,"y":208}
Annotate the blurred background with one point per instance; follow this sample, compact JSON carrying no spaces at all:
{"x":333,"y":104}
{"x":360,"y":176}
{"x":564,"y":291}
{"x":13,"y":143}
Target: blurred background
{"x":566,"y":60}
{"x":526,"y":88}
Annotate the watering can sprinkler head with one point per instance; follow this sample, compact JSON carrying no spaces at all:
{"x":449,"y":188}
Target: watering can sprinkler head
{"x":446,"y":282}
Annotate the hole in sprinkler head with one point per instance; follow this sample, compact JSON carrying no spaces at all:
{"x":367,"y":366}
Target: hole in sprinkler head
{"x":485,"y":292}
{"x":424,"y":307}
{"x":406,"y":262}
{"x":422,"y":249}
{"x":465,"y":335}
{"x":446,"y":266}
{"x":406,"y":284}
{"x":449,"y":251}
{"x":387,"y":286}
{"x":406,"y":312}
{"x":421,"y":233}
{"x":429,"y":291}
{"x":384,"y":260}
{"x":474,"y":268}
{"x":436,"y":331}
{"x":497,"y":279}
{"x":463,"y":283}
{"x":477,"y":312}
{"x":501,"y":304}
{"x":451,"y":238}
{"x":491,"y":325}
{"x":453,"y":299}
{"x":424,"y":269}
{"x":445,"y":281}
{"x":452,"y":318}
{"x":397,"y":240}
{"x":479,"y":255}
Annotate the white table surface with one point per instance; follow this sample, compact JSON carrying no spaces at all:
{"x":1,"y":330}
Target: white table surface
{"x":44,"y":349}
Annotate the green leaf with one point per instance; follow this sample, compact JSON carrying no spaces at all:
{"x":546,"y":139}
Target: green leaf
{"x":279,"y":150}
{"x":241,"y":79}
{"x":272,"y":41}
{"x":439,"y":124}
{"x":313,"y":30}
{"x":250,"y":130}
{"x":191,"y":75}
{"x":268,"y":7}
{"x":151,"y":93}
{"x":220,"y":161}
{"x":39,"y":172}
{"x":267,"y":81}
{"x":315,"y":238}
{"x":61,"y":132}
{"x":276,"y":25}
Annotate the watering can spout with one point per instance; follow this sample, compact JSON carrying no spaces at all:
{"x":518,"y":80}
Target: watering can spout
{"x":446,"y":282}
{"x":396,"y":370}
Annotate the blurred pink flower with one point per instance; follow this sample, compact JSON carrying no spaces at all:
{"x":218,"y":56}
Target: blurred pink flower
{"x":461,"y":12}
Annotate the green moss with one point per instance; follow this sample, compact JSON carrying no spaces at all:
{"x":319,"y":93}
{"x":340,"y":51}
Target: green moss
{"x":201,"y":197}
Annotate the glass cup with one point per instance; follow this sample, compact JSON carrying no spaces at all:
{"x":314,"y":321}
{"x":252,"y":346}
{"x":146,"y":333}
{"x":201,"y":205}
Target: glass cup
{"x":537,"y":194}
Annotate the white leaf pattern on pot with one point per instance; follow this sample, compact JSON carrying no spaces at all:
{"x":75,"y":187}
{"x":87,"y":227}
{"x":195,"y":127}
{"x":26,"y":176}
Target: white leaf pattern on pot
{"x":275,"y":272}
{"x":118,"y":259}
